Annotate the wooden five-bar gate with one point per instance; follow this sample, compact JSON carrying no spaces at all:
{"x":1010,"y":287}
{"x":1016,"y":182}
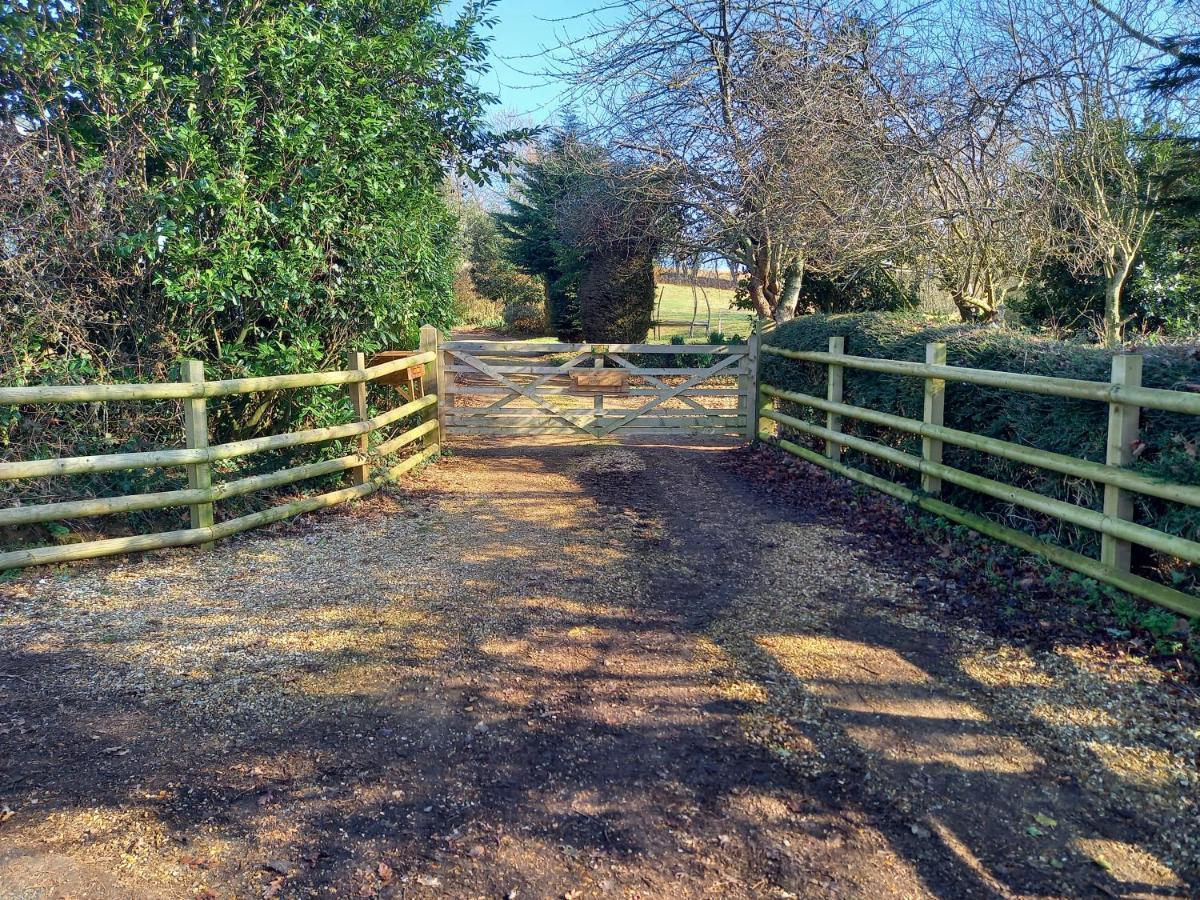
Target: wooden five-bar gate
{"x":598,"y":390}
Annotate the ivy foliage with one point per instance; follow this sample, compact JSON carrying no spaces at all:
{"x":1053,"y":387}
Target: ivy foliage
{"x":1167,"y":447}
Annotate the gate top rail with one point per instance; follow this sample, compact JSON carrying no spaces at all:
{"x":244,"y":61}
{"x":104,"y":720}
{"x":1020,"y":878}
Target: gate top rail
{"x":184,"y":390}
{"x":517,"y":347}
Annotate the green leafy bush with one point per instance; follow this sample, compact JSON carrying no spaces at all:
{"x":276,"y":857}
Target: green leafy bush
{"x":261,"y":186}
{"x":1074,"y":427}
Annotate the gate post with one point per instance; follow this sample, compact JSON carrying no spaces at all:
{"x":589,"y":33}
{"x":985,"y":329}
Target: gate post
{"x":1123,"y":428}
{"x":753,"y":399}
{"x":358,"y":399}
{"x":431,"y":341}
{"x":195,"y":434}
{"x":934,"y":414}
{"x":833,"y":393}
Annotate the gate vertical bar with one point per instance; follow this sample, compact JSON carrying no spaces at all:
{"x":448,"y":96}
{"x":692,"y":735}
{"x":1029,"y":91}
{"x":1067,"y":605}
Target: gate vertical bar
{"x":431,"y":341}
{"x":752,"y":399}
{"x":1123,"y":426}
{"x":935,"y":414}
{"x":195,"y":434}
{"x":598,"y":399}
{"x":833,"y":393}
{"x":358,"y":400}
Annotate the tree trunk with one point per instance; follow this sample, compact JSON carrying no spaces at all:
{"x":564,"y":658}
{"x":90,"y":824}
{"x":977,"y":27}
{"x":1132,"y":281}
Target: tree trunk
{"x":789,"y":296}
{"x":1114,"y":283}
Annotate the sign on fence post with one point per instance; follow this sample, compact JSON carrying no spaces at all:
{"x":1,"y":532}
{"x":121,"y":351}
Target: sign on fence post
{"x":1123,"y":428}
{"x":195,"y":436}
{"x":358,"y":399}
{"x":431,"y":342}
{"x":833,"y":421}
{"x":935,"y":414}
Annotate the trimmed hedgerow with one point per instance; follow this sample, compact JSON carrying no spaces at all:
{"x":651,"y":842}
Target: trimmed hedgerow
{"x":1074,"y":427}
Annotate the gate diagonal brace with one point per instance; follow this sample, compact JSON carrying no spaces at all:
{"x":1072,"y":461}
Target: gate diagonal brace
{"x":696,"y":379}
{"x":523,"y":390}
{"x":539,"y":381}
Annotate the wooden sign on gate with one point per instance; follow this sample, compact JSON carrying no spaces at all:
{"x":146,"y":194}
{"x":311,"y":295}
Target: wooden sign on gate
{"x":599,"y":381}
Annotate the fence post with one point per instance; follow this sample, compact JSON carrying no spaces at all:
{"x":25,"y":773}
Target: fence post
{"x":431,"y":341}
{"x":753,"y":400}
{"x":195,"y":436}
{"x":833,"y":421}
{"x":358,"y":399}
{"x":935,"y":414}
{"x":1123,"y":427}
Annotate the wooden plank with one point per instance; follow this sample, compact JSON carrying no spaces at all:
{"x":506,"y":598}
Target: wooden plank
{"x":113,"y":462}
{"x":1187,"y":403}
{"x":501,"y":348}
{"x":455,"y":387}
{"x":475,"y":412}
{"x":537,"y":383}
{"x":182,"y":390}
{"x":1046,"y":459}
{"x":457,"y":369}
{"x":195,"y":433}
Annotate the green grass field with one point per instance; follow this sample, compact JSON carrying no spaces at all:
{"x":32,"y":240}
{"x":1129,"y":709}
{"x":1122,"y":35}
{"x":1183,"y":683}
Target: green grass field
{"x":676,"y":305}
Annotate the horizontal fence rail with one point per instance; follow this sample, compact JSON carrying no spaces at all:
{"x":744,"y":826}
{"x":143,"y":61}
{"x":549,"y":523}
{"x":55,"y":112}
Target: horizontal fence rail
{"x":1124,"y":396}
{"x":367,"y":467}
{"x":518,"y":389}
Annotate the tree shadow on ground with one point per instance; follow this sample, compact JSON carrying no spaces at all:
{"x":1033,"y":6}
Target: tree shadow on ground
{"x":525,"y":677}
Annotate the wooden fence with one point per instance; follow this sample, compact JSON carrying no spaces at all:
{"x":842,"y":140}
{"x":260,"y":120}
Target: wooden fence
{"x":1124,"y":396}
{"x":519,"y":389}
{"x":366,"y":475}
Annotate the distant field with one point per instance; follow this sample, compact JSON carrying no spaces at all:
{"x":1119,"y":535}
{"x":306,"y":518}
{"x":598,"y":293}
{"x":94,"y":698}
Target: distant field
{"x":676,"y":306}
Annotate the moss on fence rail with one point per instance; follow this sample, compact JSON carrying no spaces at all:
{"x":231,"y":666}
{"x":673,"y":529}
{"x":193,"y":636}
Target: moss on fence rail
{"x":1168,"y":447}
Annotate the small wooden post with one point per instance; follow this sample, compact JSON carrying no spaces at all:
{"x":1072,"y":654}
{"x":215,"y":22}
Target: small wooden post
{"x":753,"y":400}
{"x":358,"y":399}
{"x":1123,"y":425}
{"x":833,"y":421}
{"x":195,"y":436}
{"x":432,"y":341}
{"x":935,"y":414}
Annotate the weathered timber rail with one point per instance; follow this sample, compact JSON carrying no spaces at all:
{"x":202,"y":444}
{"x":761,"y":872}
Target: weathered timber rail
{"x":369,"y":468}
{"x":1124,"y":395}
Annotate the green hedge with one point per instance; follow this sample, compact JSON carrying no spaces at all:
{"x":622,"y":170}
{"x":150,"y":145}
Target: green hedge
{"x":1074,"y":427}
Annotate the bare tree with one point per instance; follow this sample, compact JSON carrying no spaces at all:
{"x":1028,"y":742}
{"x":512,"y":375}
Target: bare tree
{"x":753,"y":113}
{"x":1084,"y":113}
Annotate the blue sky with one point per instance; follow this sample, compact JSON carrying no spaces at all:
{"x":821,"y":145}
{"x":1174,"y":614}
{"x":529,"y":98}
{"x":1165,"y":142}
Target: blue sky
{"x":525,"y":29}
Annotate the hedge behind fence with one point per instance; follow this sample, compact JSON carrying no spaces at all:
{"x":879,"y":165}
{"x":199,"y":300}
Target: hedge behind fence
{"x":1073,"y":427}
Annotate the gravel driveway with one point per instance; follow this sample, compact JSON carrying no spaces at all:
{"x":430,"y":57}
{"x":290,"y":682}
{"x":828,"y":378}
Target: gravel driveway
{"x":569,"y":670}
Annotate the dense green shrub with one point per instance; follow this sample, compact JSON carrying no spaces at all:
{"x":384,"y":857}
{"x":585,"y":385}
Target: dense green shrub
{"x":616,"y":298}
{"x":1073,"y":427}
{"x":579,"y":223}
{"x":261,"y":186}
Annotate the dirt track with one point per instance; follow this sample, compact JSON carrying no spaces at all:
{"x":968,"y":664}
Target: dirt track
{"x":583,"y":671}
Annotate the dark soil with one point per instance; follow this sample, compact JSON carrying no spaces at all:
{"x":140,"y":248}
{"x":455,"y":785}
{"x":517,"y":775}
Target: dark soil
{"x":580,"y":671}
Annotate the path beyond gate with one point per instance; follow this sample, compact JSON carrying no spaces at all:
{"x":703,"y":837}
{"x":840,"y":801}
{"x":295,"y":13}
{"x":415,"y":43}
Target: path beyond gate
{"x":502,"y":388}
